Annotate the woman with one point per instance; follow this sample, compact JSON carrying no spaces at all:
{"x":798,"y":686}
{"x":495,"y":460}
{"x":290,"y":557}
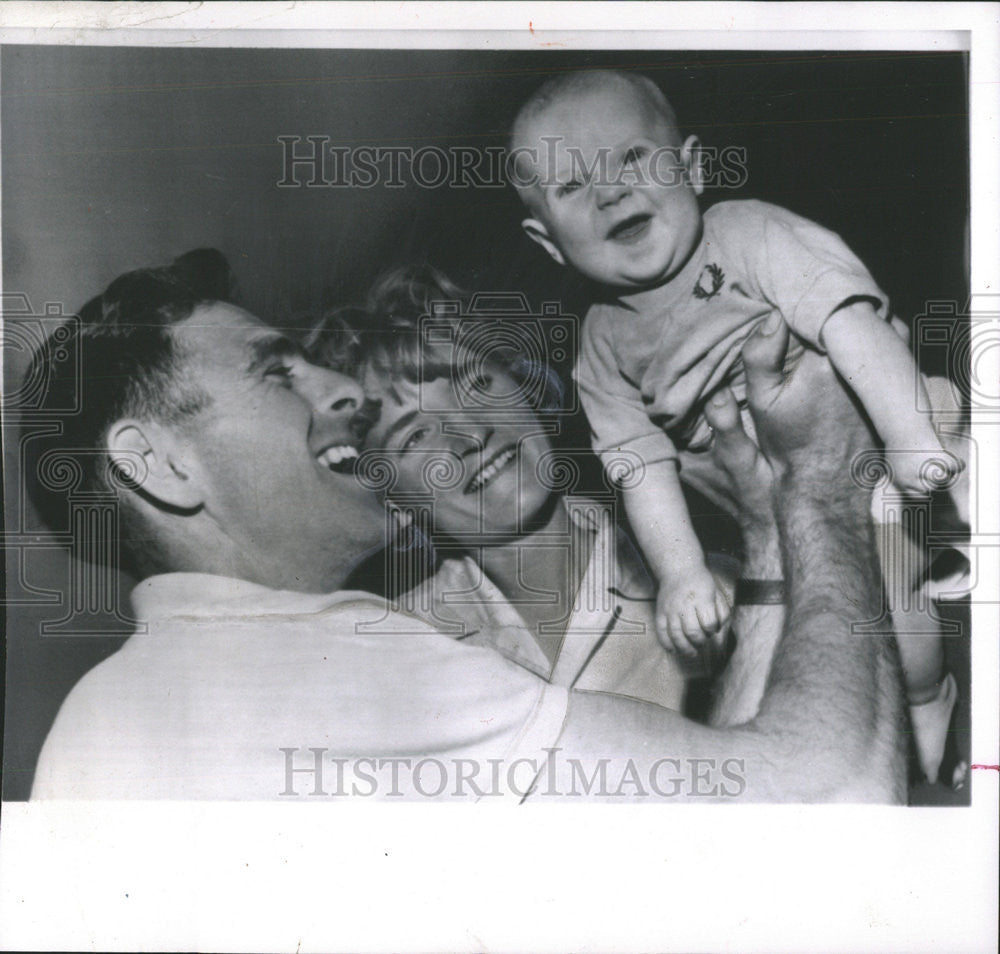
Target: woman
{"x":510,"y":557}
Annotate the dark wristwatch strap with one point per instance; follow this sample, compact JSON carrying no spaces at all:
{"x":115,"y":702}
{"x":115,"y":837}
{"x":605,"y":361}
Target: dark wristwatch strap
{"x":760,"y":592}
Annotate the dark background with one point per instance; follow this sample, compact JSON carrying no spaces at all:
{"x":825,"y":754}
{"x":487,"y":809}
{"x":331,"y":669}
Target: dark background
{"x":118,"y":158}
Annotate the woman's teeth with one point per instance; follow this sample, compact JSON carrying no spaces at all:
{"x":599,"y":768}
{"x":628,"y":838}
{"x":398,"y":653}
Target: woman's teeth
{"x":491,"y":469}
{"x":338,"y":458}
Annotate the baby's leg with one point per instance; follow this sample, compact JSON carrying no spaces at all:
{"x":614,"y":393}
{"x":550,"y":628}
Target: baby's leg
{"x":922,"y":655}
{"x":878,"y":366}
{"x":930,"y":690}
{"x":954,"y":434}
{"x":932,"y":694}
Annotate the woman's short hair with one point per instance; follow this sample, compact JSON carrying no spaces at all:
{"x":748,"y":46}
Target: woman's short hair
{"x":385,"y":336}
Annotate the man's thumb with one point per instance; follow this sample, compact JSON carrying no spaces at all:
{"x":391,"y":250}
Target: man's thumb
{"x":764,"y":355}
{"x":722,"y":412}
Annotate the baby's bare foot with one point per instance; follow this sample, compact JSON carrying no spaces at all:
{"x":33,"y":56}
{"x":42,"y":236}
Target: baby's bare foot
{"x":923,"y":471}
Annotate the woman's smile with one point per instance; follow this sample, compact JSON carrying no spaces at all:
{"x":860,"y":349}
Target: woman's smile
{"x":497,"y":462}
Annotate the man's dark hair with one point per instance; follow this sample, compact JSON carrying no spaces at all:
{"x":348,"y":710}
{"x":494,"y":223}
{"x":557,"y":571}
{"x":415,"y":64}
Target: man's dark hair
{"x":120,"y":357}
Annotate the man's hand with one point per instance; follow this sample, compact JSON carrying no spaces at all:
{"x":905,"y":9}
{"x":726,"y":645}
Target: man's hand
{"x":749,"y":473}
{"x":806,"y":420}
{"x":829,"y":725}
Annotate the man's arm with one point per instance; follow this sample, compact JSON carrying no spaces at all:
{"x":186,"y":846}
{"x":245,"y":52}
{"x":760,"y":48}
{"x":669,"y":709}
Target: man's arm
{"x":739,"y":688}
{"x":829,"y":725}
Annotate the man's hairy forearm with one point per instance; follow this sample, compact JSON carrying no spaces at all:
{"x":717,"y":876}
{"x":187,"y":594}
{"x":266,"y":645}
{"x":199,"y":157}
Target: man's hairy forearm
{"x":828,"y":729}
{"x":833,"y":701}
{"x":737,"y":692}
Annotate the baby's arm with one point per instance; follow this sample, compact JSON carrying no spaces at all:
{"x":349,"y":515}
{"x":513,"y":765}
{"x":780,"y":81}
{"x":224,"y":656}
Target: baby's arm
{"x":879,"y":368}
{"x":690,"y":605}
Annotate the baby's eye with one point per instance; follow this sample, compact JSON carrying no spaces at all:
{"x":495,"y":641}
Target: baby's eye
{"x":634,"y":154}
{"x":414,"y":438}
{"x":568,"y":188}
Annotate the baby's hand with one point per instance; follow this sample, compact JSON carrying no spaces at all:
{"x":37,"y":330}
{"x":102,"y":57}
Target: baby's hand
{"x":690,"y":611}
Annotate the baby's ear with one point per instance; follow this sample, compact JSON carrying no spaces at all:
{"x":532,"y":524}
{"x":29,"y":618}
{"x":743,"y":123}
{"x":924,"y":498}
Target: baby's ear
{"x":694,"y":162}
{"x":537,"y":232}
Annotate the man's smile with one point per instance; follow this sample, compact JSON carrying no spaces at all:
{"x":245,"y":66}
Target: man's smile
{"x":339,"y":458}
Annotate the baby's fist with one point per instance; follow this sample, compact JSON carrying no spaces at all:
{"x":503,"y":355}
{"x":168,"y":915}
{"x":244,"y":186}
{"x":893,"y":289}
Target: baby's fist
{"x":690,"y":611}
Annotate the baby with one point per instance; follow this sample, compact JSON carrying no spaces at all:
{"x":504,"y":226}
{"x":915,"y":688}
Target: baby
{"x":612,"y":190}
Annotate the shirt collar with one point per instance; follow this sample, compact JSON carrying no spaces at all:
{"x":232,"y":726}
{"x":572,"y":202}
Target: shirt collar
{"x":206,"y":596}
{"x":501,"y":627}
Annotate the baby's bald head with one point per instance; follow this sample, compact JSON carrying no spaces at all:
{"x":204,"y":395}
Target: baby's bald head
{"x":610,"y":185}
{"x":641,"y":89}
{"x":575,"y":89}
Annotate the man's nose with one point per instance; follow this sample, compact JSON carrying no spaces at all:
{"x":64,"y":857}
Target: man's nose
{"x":331,"y":392}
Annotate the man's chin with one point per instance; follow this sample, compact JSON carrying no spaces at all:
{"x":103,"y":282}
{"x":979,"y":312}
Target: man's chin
{"x":346,"y":494}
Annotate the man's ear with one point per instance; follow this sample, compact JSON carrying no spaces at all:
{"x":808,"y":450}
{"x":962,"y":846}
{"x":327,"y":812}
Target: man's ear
{"x":150,"y":456}
{"x":537,"y":232}
{"x":694,"y":162}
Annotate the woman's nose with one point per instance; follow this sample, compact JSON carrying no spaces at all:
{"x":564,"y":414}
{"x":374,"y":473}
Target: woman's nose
{"x":473,"y":438}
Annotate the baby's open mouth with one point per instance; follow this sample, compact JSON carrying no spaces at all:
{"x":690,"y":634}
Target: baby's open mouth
{"x":340,"y":458}
{"x":630,"y":228}
{"x":490,"y":469}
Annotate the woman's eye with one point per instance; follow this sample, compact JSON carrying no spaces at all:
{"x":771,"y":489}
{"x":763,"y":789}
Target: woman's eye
{"x":567,"y":188}
{"x":414,"y":438}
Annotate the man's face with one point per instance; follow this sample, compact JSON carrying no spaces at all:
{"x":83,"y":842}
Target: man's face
{"x":615,"y":198}
{"x":274,"y":449}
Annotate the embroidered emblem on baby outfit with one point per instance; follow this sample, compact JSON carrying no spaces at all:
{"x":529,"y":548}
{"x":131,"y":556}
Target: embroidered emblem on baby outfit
{"x":714,"y":275}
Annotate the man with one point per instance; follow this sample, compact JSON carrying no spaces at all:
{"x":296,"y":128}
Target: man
{"x":259,"y":680}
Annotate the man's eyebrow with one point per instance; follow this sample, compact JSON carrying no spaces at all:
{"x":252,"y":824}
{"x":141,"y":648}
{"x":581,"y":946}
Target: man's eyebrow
{"x":273,"y":346}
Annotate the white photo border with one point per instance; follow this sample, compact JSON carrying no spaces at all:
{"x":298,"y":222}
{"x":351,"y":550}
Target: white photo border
{"x":185,"y":876}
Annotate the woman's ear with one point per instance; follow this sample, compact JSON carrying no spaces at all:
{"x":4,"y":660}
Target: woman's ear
{"x":537,"y":232}
{"x":151,"y":457}
{"x":694,"y":162}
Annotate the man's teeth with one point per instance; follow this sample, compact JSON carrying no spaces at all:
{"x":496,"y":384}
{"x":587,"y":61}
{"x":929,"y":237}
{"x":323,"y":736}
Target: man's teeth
{"x":492,"y":468}
{"x":334,"y":456}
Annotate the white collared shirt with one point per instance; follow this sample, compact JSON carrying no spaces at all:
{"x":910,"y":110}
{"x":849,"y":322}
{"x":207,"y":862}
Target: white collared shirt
{"x":609,"y":643}
{"x":232,"y":675}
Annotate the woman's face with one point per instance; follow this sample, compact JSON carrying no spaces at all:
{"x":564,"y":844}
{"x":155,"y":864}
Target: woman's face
{"x":480,"y":466}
